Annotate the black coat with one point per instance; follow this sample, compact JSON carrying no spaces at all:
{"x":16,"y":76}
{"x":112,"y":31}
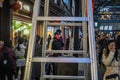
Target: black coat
{"x":56,"y":45}
{"x":36,"y":67}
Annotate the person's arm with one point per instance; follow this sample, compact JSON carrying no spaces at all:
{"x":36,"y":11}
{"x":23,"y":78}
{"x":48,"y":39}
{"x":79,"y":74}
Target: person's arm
{"x":13,"y":58}
{"x":107,"y":60}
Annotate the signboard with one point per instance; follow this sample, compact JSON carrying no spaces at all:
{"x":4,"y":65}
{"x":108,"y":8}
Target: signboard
{"x":25,"y":7}
{"x":106,"y":28}
{"x":110,"y":28}
{"x":101,"y":27}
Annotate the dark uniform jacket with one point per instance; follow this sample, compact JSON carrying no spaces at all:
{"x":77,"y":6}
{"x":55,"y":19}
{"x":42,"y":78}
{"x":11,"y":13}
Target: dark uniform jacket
{"x":56,"y":45}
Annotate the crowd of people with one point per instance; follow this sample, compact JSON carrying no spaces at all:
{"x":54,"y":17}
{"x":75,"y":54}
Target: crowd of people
{"x":108,"y":51}
{"x":13,"y":58}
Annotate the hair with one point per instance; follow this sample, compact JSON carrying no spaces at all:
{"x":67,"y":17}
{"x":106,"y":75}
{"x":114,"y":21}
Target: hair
{"x":20,"y":41}
{"x":8,"y":43}
{"x":37,"y":38}
{"x":108,"y":51}
{"x":59,"y":31}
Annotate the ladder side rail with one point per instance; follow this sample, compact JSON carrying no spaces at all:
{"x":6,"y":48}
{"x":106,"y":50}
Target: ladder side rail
{"x":32,"y":40}
{"x":84,"y":29}
{"x":46,"y":10}
{"x":92,"y":47}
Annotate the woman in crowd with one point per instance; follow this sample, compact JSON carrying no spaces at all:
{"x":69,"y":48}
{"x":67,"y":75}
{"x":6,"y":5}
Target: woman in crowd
{"x":20,"y":54}
{"x":7,"y":61}
{"x":111,"y":62}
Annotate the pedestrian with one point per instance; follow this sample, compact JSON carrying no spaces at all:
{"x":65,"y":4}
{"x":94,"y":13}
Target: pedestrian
{"x":111,"y":62}
{"x":20,"y":54}
{"x":7,"y":61}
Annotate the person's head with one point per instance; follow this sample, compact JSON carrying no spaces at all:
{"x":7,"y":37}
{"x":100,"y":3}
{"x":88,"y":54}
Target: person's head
{"x":20,"y":41}
{"x":57,"y":36}
{"x":8,"y":43}
{"x":112,"y":47}
{"x":37,"y":39}
{"x":49,"y":35}
{"x":101,"y":36}
{"x":58,"y":31}
{"x":1,"y":44}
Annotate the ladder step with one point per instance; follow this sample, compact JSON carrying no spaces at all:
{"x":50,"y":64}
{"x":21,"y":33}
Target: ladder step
{"x":64,"y":24}
{"x":65,"y":51}
{"x":61,"y":60}
{"x":63,"y":77}
{"x":62,"y":18}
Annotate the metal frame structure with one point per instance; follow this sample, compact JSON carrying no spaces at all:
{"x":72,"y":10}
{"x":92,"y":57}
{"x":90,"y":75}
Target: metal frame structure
{"x":43,"y":59}
{"x":84,"y":29}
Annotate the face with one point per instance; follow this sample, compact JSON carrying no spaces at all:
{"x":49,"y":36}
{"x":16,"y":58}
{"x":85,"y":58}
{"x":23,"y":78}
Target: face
{"x":111,"y":46}
{"x":57,"y":36}
{"x":101,"y":37}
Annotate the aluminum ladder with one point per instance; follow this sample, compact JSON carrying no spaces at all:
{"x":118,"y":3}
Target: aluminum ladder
{"x":92,"y":49}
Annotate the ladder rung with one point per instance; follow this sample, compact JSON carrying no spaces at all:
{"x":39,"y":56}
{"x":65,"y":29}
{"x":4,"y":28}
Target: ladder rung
{"x":61,"y":60}
{"x":65,"y":51}
{"x":62,"y":18}
{"x":64,"y":24}
{"x":63,"y":77}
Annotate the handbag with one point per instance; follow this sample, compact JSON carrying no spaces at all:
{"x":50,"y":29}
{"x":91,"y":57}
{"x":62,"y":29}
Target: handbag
{"x":113,"y":76}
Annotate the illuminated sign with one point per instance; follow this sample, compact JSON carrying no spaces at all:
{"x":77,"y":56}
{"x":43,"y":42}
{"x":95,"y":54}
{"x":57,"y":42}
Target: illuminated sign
{"x":101,"y":27}
{"x":25,"y":7}
{"x":106,"y":28}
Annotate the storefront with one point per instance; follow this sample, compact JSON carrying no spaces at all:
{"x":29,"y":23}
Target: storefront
{"x":21,"y":20}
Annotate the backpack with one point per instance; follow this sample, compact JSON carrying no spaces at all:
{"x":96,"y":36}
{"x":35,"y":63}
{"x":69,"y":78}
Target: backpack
{"x":6,"y":62}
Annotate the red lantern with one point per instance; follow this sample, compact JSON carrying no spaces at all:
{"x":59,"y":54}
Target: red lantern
{"x":15,"y":6}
